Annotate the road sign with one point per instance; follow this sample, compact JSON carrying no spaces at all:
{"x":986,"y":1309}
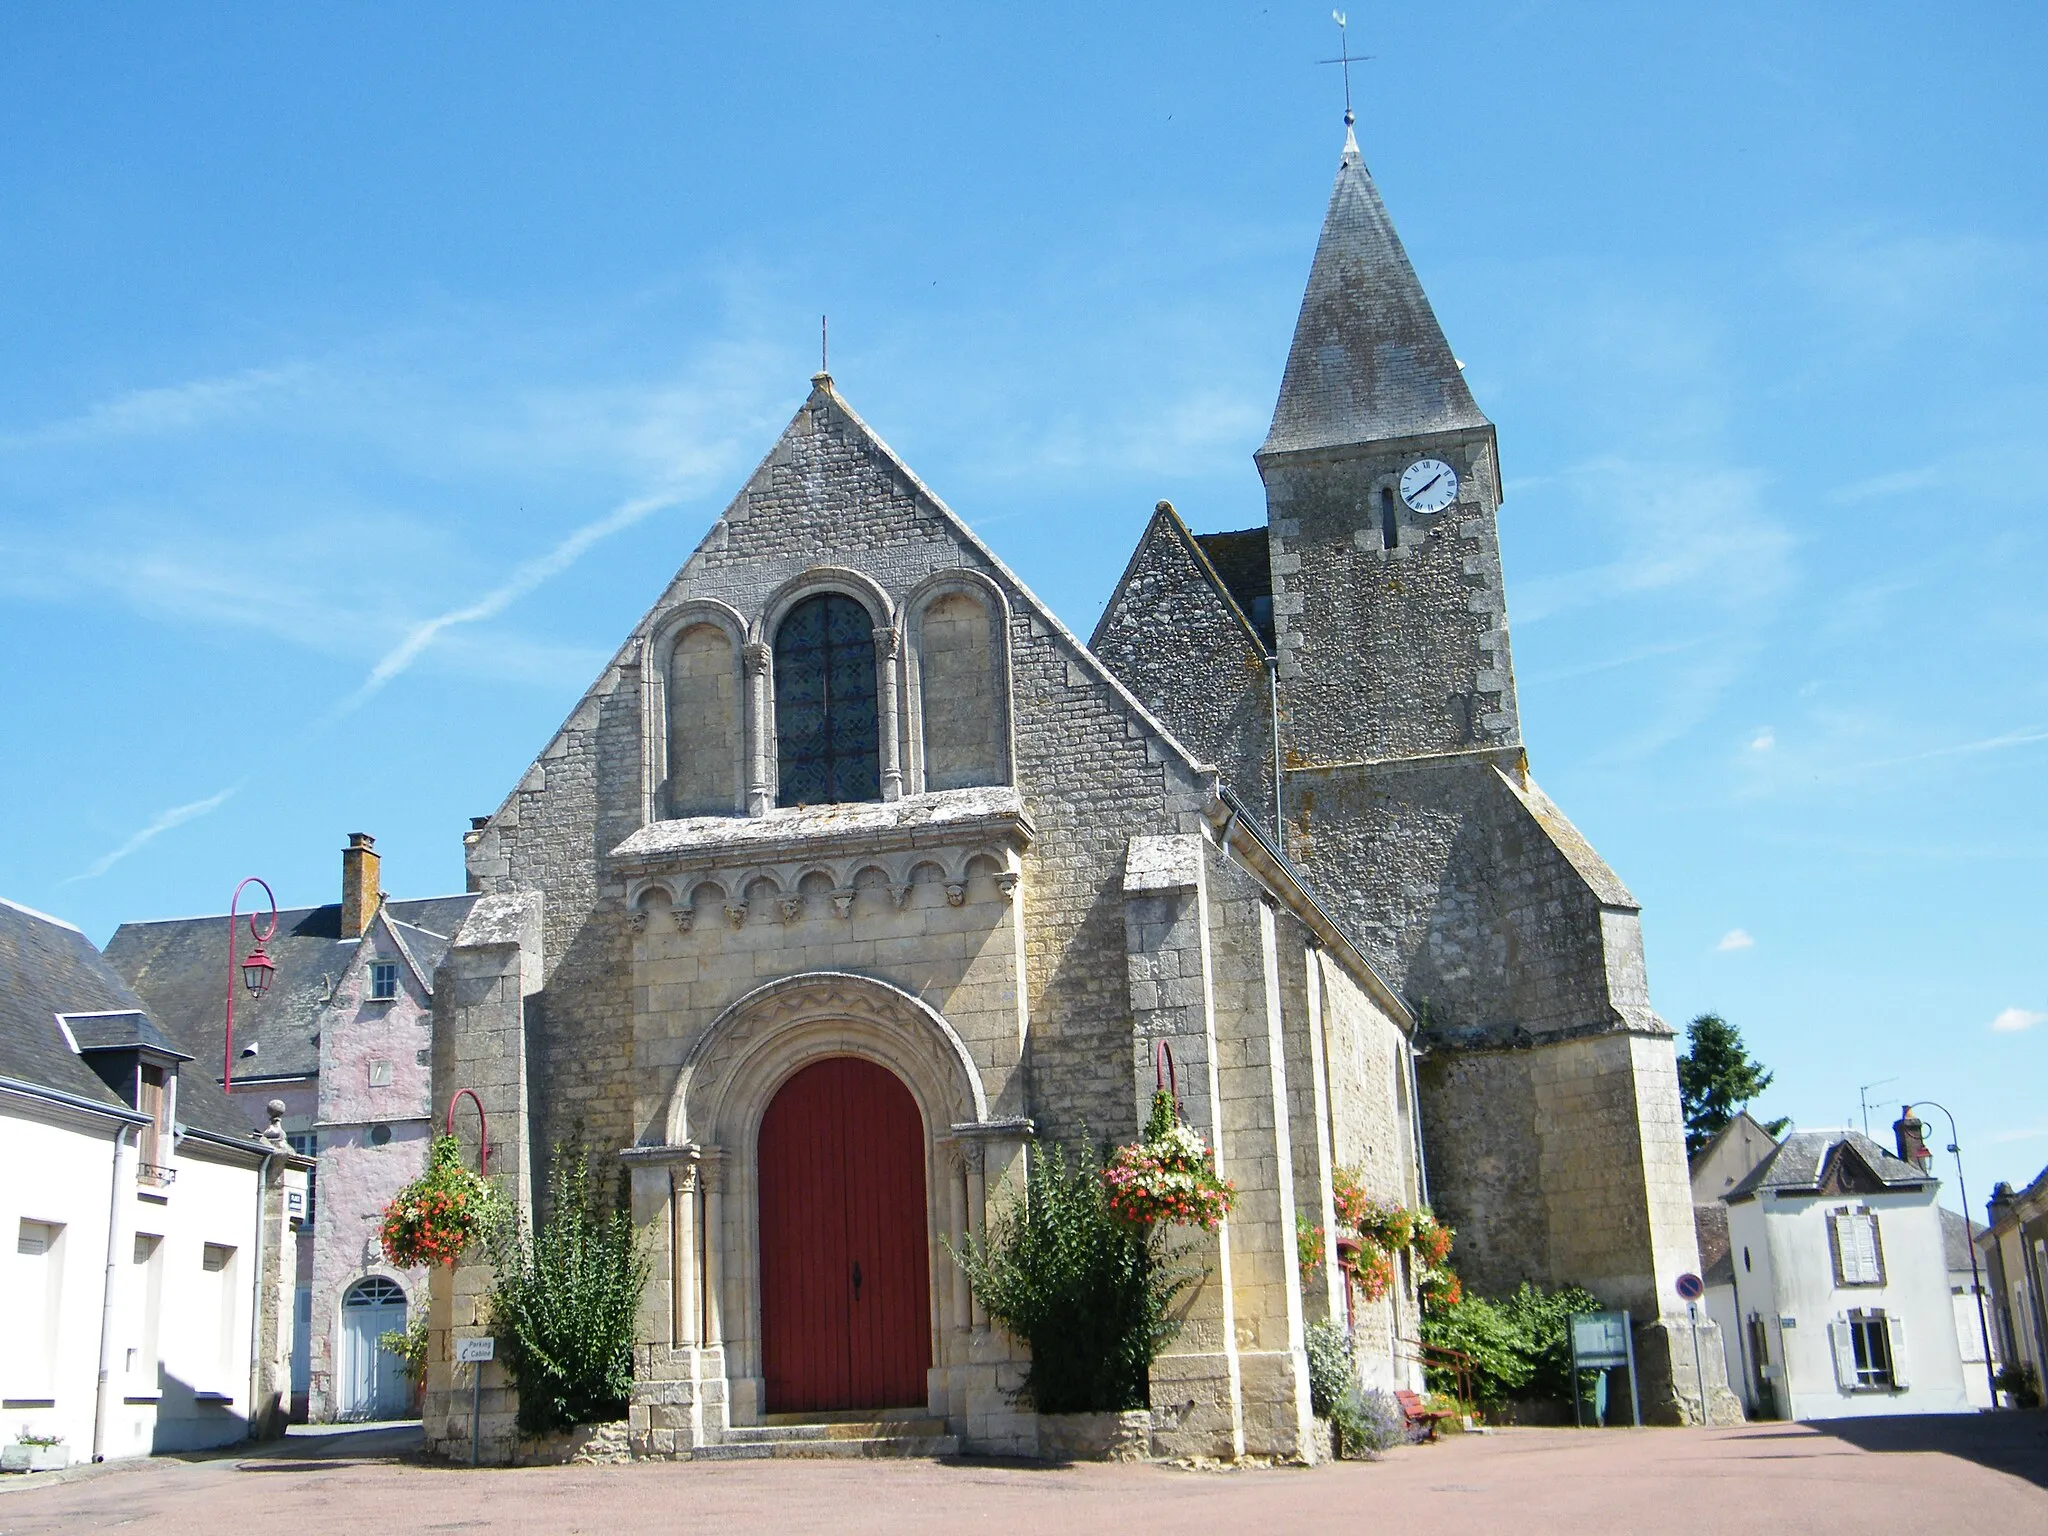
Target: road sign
{"x":1691,"y":1287}
{"x":475,"y":1351}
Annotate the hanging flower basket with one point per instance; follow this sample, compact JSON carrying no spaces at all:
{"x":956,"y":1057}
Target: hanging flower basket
{"x":440,"y":1213}
{"x":1373,"y":1271}
{"x":1169,"y":1178}
{"x":1432,"y":1240}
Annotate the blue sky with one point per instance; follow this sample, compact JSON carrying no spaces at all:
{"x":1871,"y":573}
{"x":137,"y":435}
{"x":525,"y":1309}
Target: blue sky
{"x":364,"y":375}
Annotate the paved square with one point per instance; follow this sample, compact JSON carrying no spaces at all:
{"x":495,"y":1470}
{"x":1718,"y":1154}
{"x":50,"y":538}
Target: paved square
{"x":1958,"y":1475}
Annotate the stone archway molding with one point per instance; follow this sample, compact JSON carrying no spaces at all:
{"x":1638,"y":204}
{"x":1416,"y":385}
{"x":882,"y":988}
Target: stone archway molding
{"x":718,"y":1091}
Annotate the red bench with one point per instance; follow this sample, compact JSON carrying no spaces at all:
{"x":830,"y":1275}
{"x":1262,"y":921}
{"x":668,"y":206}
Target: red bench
{"x":1419,"y":1417}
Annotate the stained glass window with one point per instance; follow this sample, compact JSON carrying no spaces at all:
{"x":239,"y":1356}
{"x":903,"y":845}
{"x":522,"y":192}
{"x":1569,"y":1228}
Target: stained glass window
{"x":827,"y":730}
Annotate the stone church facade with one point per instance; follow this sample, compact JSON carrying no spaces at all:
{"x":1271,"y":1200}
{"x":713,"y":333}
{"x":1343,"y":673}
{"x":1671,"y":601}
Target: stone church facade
{"x":856,"y":871}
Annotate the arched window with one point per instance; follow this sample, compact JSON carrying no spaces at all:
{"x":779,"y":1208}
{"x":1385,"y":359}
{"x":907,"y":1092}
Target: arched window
{"x":827,"y":728}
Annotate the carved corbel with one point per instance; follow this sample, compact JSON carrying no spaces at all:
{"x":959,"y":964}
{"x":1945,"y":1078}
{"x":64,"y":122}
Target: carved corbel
{"x":756,"y":655}
{"x":637,"y":920}
{"x":736,"y":914}
{"x":842,"y":901}
{"x":899,"y":893}
{"x":792,"y":906}
{"x":956,"y":892}
{"x":685,"y":917}
{"x":1006,"y":882}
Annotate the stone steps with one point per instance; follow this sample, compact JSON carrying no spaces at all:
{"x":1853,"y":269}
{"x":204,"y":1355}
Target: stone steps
{"x":833,"y":1438}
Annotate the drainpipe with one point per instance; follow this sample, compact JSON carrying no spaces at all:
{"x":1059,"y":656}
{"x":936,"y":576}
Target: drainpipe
{"x":99,"y":1402}
{"x":1415,"y":1124}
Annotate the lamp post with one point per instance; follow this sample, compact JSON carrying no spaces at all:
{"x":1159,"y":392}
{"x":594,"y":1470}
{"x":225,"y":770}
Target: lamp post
{"x":1976,"y":1281}
{"x":256,"y":969}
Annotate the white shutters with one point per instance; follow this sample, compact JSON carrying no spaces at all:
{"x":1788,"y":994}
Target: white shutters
{"x":1895,"y":1329}
{"x":1858,"y":1259}
{"x":1844,"y":1342}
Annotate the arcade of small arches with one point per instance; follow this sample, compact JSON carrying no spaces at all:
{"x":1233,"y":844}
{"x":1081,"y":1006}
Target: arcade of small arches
{"x":830,"y":694}
{"x":792,"y":890}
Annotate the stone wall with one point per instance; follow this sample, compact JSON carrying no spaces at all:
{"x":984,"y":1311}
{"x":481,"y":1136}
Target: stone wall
{"x":1419,"y":629}
{"x":1178,"y":642}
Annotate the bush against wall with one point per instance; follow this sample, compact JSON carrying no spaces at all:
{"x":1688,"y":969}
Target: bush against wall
{"x":1519,"y":1345}
{"x":565,"y":1299}
{"x":1087,"y":1290}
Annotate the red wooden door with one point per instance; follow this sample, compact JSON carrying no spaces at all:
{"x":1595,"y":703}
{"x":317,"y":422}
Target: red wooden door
{"x":845,"y":1293}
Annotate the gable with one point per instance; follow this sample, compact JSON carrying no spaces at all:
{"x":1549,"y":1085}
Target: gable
{"x":1846,"y":1173}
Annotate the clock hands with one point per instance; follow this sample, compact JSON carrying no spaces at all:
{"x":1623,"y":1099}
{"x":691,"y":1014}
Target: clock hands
{"x":1424,"y":490}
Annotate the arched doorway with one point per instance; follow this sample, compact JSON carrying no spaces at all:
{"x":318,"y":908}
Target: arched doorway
{"x":845,"y":1254}
{"x":370,"y":1383}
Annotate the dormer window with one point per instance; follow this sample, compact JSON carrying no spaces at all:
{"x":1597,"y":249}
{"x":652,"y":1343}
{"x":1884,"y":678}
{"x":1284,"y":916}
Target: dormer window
{"x":383,"y":981}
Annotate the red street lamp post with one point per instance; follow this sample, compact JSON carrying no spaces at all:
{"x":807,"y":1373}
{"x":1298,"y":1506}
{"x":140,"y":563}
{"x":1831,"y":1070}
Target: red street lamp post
{"x":257,"y":969}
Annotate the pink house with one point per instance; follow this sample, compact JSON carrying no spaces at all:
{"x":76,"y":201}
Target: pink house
{"x":342,"y":1038}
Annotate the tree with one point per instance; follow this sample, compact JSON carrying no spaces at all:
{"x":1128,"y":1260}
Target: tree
{"x":1717,"y":1077}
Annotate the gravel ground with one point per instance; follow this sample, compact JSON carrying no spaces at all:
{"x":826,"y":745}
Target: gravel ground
{"x":1960,"y":1474}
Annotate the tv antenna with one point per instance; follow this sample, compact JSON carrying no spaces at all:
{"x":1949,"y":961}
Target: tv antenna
{"x":1863,"y":1098}
{"x":1346,"y":58}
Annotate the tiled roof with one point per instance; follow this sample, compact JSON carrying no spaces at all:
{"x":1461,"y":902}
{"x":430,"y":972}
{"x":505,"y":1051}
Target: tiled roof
{"x":1802,"y":1158}
{"x":179,"y":967}
{"x":47,"y":968}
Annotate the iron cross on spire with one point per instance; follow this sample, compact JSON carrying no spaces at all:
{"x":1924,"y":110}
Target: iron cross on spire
{"x":1347,"y":58}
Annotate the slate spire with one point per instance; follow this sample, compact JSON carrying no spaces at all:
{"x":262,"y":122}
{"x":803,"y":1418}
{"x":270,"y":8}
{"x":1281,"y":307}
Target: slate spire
{"x":1369,"y":362}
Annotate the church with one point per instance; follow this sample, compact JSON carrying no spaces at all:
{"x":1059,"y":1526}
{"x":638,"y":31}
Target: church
{"x":857,"y":871}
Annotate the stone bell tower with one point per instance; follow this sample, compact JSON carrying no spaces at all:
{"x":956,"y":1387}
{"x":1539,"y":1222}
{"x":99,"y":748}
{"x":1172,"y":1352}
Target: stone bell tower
{"x":1549,"y":1085}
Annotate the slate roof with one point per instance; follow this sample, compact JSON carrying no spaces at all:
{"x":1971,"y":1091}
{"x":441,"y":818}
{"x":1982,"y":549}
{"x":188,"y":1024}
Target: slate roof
{"x":1369,"y":361}
{"x":1244,"y":563}
{"x":48,"y":967}
{"x":1954,"y":1239}
{"x":1710,"y":1226}
{"x":124,"y":1030}
{"x":1802,"y":1157}
{"x":179,"y":967}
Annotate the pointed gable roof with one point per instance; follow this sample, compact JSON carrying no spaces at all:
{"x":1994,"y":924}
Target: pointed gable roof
{"x":1369,"y":361}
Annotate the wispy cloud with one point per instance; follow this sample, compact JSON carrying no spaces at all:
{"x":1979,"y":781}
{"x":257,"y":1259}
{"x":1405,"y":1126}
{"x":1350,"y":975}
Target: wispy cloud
{"x":2030,"y":1133}
{"x":163,"y":409}
{"x":176,"y":816}
{"x":2010,"y":1021}
{"x":400,"y":657}
{"x":1734,"y":939}
{"x":1763,"y":740}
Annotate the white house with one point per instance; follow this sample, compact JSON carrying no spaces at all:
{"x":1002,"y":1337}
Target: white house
{"x":147,"y":1277}
{"x":1833,"y":1296}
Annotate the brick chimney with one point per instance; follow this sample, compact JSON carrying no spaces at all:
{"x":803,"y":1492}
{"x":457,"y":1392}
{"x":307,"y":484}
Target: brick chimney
{"x":359,"y":892}
{"x":1910,"y":1131}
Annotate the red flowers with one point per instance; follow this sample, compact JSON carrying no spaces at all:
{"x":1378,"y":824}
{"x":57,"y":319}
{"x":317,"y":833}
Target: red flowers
{"x":1169,"y":1176}
{"x":440,"y":1213}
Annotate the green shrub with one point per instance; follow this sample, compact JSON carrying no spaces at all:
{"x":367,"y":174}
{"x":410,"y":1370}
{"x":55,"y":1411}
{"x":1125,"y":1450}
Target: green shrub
{"x":1087,"y":1291}
{"x":410,"y":1345}
{"x":1519,"y":1345}
{"x":1331,"y":1368}
{"x":565,"y":1300}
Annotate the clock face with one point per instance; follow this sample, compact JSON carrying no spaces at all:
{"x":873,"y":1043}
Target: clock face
{"x":1429,"y":485}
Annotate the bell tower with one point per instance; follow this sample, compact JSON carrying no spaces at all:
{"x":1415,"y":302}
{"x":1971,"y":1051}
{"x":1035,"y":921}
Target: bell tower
{"x":1382,"y":483}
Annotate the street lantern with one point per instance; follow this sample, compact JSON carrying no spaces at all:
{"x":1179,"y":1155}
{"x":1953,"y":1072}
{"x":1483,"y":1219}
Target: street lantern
{"x":257,"y":970}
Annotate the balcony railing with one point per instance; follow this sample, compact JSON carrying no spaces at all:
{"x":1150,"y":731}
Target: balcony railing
{"x":154,"y":1173}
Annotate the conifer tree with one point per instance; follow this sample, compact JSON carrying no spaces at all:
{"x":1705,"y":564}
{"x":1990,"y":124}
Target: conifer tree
{"x":1717,"y":1077}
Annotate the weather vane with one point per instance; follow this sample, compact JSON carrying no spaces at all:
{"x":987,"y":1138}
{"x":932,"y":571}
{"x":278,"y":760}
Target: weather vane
{"x":1347,"y":58}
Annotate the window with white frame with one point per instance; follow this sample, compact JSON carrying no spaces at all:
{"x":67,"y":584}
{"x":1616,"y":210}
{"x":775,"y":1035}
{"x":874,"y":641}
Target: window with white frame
{"x":38,"y":1292}
{"x":1870,"y":1351}
{"x":383,"y":981}
{"x":218,"y":1262}
{"x":1858,"y":1251}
